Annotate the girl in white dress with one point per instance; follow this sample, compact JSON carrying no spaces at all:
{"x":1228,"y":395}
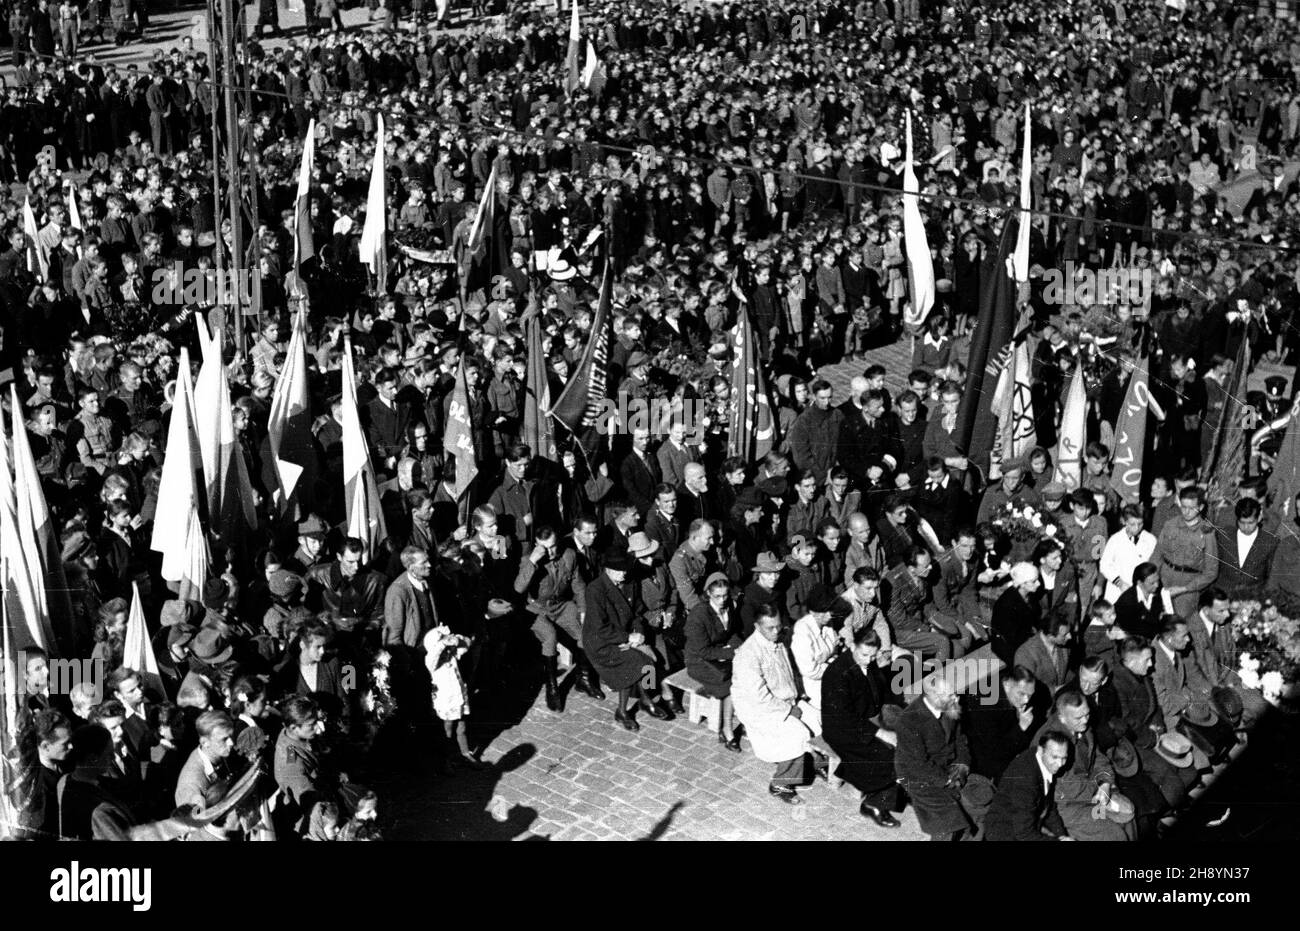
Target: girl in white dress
{"x":442,"y":653}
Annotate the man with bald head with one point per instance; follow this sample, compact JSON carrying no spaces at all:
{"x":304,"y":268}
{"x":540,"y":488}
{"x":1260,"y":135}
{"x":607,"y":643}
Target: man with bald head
{"x":864,"y":548}
{"x":933,"y":760}
{"x":695,"y":499}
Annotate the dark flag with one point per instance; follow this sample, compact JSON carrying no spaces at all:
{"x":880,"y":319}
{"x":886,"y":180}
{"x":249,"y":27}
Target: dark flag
{"x":537,"y":392}
{"x":580,"y":403}
{"x":750,"y":427}
{"x":1223,"y":470}
{"x":458,"y":441}
{"x":1131,"y":434}
{"x":977,"y":422}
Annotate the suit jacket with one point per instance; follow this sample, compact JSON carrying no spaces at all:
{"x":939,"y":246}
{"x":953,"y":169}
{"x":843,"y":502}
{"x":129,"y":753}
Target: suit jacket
{"x":1063,"y":600}
{"x":406,"y":619}
{"x":387,"y":427}
{"x":1138,"y":717}
{"x":1248,"y":580}
{"x":1014,"y":620}
{"x":639,"y":477}
{"x":925,"y":751}
{"x":194,"y":780}
{"x":611,"y":616}
{"x":1023,"y":806}
{"x":673,"y":462}
{"x":944,"y":508}
{"x":1135,"y":619}
{"x":1177,"y":684}
{"x":1049,"y":668}
{"x":956,"y":593}
{"x":666,"y":531}
{"x":993,"y":730}
{"x":1216,"y":653}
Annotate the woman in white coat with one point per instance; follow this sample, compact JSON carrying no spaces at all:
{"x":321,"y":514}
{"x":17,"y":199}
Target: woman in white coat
{"x":778,"y":719}
{"x":815,"y":645}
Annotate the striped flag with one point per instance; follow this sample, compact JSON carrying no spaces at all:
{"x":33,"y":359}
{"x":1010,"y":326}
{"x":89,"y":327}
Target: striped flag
{"x":580,"y":403}
{"x":137,"y":651}
{"x":571,"y":66}
{"x":1131,"y":435}
{"x":1074,"y":423}
{"x":229,"y":490}
{"x":74,"y":211}
{"x":458,"y":440}
{"x":37,"y":533}
{"x":977,"y":422}
{"x":1013,"y":400}
{"x":303,"y":246}
{"x":38,"y":260}
{"x":751,"y":429}
{"x":20,"y":572}
{"x":919,"y":263}
{"x":484,"y":216}
{"x":537,"y":391}
{"x":177,"y":530}
{"x":289,"y":425}
{"x":1223,"y":471}
{"x":361,"y":491}
{"x":374,"y":247}
{"x":593,"y":73}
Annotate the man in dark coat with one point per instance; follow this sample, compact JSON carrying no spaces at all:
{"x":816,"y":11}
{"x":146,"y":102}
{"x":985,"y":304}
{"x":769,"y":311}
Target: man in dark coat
{"x":1024,"y":804}
{"x":1015,"y":613}
{"x":1139,"y":609}
{"x":639,"y":472}
{"x":932,"y":760}
{"x":855,"y":691}
{"x":614,"y":639}
{"x":1000,"y":730}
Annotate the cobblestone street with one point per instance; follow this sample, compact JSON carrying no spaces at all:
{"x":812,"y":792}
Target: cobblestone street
{"x":579,"y":776}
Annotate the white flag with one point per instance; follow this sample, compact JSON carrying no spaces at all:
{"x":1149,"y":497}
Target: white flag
{"x":373,"y":247}
{"x":918,"y":249}
{"x":1074,"y":425}
{"x":1020,"y":258}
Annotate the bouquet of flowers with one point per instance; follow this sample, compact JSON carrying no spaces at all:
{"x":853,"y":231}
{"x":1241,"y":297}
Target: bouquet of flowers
{"x":1268,"y":645}
{"x":1024,"y":527}
{"x":378,"y":702}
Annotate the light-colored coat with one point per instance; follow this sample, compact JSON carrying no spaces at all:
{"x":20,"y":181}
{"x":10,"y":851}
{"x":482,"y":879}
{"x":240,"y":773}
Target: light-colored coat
{"x":764,"y":690}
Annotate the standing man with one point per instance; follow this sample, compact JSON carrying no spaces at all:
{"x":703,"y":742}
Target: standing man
{"x":1187,"y":553}
{"x":1124,"y":551}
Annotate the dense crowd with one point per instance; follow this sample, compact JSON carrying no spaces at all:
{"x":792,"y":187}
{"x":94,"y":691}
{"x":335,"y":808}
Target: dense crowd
{"x":739,"y":159}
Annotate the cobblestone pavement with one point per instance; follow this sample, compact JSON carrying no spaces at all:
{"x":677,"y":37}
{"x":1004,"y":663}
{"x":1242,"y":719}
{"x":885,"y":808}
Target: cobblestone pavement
{"x":579,"y":776}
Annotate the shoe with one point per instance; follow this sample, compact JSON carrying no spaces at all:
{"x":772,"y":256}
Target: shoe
{"x":657,"y":711}
{"x":878,"y":815}
{"x":1220,"y":820}
{"x":676,"y":706}
{"x":472,"y":763}
{"x":588,"y":685}
{"x":733,"y":744}
{"x":553,"y":700}
{"x":628,"y":722}
{"x":822,"y":768}
{"x":785,"y":794}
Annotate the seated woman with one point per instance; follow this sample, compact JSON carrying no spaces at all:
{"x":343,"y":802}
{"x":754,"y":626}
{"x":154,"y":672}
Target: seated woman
{"x":711,"y":641}
{"x":855,"y":690}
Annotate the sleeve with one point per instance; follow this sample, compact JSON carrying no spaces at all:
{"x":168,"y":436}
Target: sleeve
{"x":747,"y":680}
{"x":1210,"y":571}
{"x":913,"y":762}
{"x":685,"y":587}
{"x":394,"y":616}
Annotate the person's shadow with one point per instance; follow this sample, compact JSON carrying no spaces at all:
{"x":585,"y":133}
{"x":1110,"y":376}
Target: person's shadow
{"x":461,"y":806}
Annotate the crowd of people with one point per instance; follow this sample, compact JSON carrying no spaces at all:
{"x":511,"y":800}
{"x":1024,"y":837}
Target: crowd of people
{"x":724,"y":160}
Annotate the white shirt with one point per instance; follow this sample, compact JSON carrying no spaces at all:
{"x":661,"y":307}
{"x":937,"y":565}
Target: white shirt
{"x":1047,"y":776}
{"x":1121,"y":555}
{"x":1244,"y":543}
{"x":308,"y":674}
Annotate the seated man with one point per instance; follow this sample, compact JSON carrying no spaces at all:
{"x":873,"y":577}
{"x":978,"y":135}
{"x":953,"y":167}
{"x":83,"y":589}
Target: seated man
{"x":855,"y":690}
{"x":1139,"y":720}
{"x":917,"y":624}
{"x":956,"y":592}
{"x":1086,"y":787}
{"x":1046,"y":654}
{"x":778,"y":719}
{"x":1216,"y":653}
{"x":1001,"y":727}
{"x":1024,"y":803}
{"x":932,"y":760}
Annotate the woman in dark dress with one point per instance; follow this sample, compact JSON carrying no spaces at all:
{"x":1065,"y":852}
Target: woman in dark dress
{"x":614,"y":639}
{"x":711,"y":642}
{"x":855,"y":689}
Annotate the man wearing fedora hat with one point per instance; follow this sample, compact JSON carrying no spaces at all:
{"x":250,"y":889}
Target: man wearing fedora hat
{"x":614,"y":639}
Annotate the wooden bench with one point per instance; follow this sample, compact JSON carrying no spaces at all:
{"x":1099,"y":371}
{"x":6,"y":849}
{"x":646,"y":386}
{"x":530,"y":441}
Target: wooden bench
{"x":819,"y":744}
{"x":975,"y":673}
{"x":699,"y":707}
